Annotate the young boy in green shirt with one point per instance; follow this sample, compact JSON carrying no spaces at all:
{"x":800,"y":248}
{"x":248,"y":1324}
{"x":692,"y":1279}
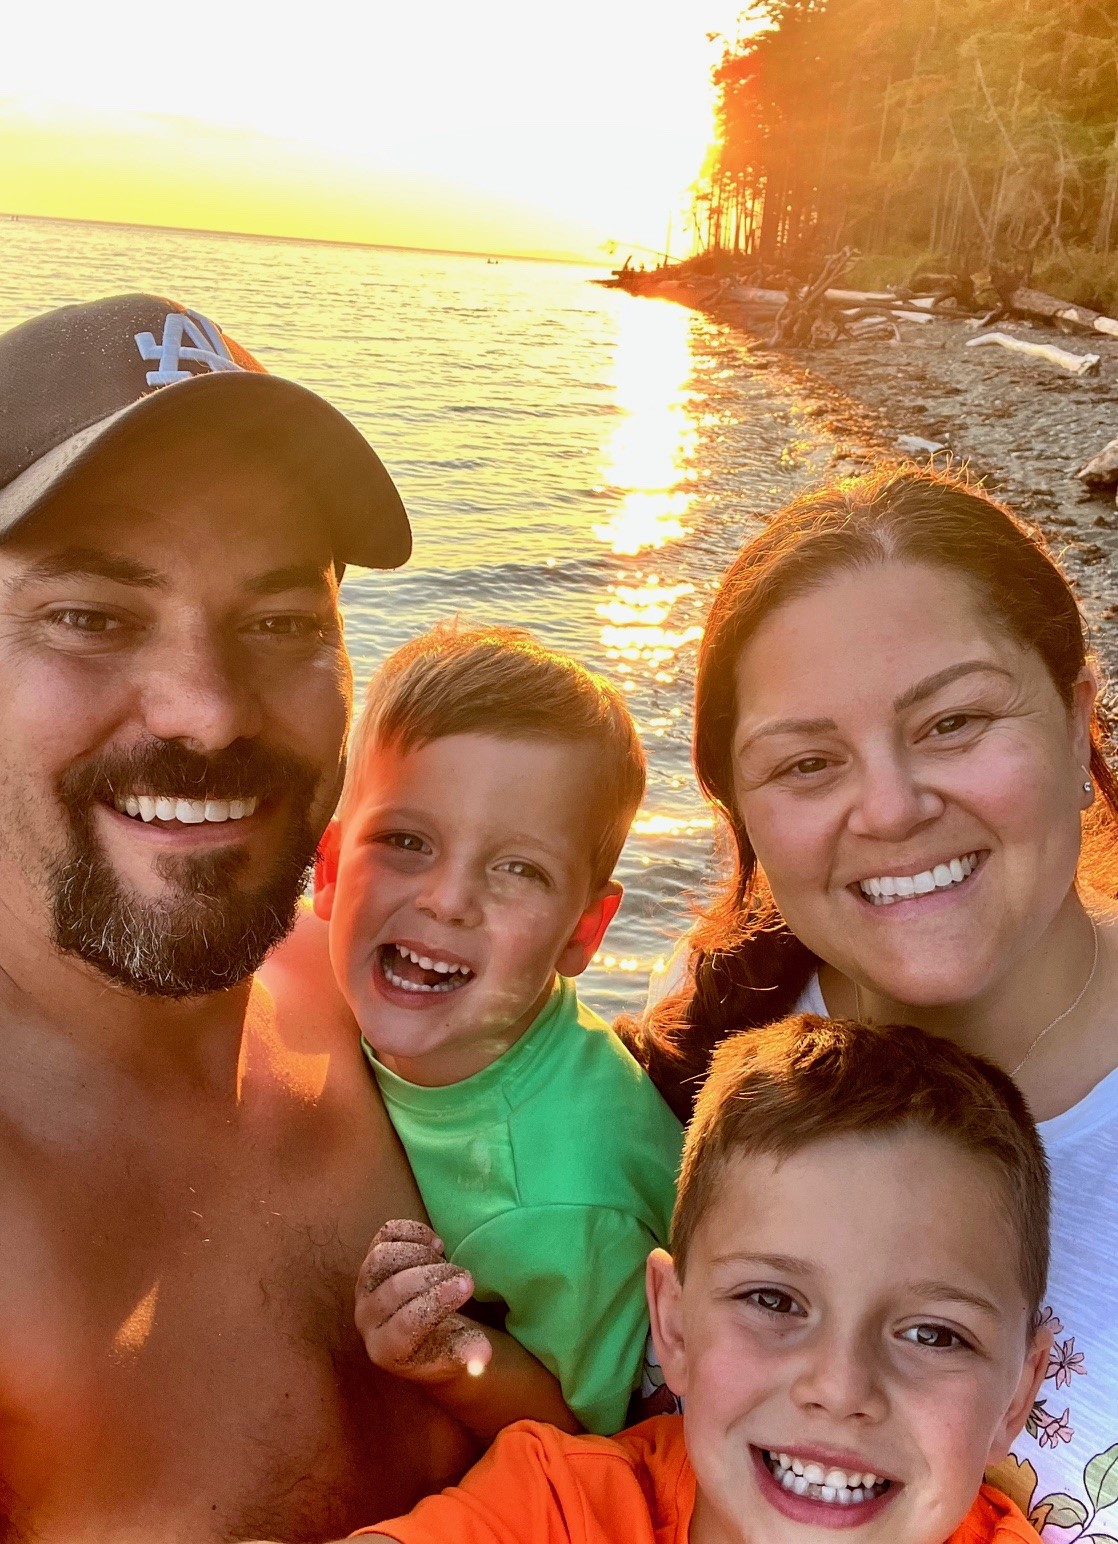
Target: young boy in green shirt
{"x":466,"y":880}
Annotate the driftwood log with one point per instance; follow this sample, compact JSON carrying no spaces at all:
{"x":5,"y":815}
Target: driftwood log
{"x":820,"y":313}
{"x":1078,"y":364}
{"x":845,"y":297}
{"x":758,"y":299}
{"x":1039,"y":307}
{"x":876,"y":325}
{"x":886,"y":313}
{"x":799,"y":323}
{"x":1102,"y":470}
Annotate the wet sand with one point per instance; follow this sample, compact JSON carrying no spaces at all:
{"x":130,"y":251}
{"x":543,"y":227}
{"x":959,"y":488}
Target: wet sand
{"x":1022,"y":425}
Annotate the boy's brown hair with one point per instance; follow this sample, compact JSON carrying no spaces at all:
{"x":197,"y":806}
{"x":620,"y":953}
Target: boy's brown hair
{"x":777,"y":1090}
{"x":462,"y":679}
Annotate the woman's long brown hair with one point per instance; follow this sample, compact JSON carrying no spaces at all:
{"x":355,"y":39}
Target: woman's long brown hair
{"x":746,"y":967}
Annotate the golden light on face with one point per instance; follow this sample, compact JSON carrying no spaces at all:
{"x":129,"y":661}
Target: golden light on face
{"x":496,"y":126}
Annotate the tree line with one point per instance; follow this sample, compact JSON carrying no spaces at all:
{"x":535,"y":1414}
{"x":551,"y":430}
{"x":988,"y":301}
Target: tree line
{"x":971,"y":132}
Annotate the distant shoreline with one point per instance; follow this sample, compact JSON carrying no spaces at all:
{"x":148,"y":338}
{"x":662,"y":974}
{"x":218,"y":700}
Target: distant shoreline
{"x":303,"y":241}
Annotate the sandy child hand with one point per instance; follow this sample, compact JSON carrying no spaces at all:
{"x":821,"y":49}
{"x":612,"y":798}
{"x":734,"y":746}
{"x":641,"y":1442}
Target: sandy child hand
{"x":408,"y":1295}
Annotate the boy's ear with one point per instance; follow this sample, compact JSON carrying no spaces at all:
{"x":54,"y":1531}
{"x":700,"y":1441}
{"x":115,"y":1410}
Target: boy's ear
{"x":1032,"y":1376}
{"x":589,"y":931}
{"x":665,"y":1318}
{"x":326,"y":870}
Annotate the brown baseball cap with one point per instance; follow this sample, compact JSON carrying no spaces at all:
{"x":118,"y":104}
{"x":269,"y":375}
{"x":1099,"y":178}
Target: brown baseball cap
{"x":76,"y":380}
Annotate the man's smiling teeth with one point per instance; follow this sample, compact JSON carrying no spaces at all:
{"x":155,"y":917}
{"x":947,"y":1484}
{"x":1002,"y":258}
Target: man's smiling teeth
{"x":888,"y":889}
{"x":840,"y":1486}
{"x":188,"y":812}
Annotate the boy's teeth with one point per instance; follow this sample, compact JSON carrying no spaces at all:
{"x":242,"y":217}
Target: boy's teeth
{"x":444,"y":967}
{"x":187,"y":812}
{"x":886,"y":889}
{"x":453,"y":975}
{"x":835,"y":1486}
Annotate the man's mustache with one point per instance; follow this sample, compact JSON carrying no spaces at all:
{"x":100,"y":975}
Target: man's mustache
{"x":246,"y":769}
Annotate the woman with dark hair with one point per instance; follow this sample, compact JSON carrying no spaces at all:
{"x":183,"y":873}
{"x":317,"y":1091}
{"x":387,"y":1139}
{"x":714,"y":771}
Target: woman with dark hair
{"x":896,"y":719}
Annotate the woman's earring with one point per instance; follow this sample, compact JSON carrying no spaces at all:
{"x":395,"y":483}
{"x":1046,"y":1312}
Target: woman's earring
{"x":1088,"y":786}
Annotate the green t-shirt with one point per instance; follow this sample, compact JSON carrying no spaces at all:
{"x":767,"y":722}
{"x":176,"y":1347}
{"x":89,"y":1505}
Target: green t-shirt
{"x":549,"y":1176}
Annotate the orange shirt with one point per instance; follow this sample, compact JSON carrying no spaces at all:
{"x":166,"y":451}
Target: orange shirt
{"x":537,"y":1485}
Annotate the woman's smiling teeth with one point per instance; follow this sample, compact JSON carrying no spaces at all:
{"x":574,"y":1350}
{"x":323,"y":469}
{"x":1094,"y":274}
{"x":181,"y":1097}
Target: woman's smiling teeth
{"x":888,"y":889}
{"x":188,"y":812}
{"x":818,"y":1483}
{"x":413,"y":972}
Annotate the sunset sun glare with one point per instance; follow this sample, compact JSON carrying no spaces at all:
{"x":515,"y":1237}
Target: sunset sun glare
{"x":493,"y":127}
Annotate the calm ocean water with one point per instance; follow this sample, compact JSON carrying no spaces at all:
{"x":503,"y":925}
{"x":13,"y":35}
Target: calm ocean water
{"x":574,"y":460}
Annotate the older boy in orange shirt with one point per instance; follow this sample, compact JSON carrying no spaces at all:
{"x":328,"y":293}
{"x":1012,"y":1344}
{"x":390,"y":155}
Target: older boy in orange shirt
{"x":860,"y":1245}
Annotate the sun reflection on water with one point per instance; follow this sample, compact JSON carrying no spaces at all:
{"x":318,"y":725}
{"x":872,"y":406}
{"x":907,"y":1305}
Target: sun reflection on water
{"x":634,"y":631}
{"x":672,"y":825}
{"x":648,"y":453}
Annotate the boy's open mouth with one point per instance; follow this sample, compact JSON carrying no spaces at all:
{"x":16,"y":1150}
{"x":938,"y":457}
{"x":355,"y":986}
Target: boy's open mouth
{"x":817,"y":1482}
{"x":414,"y":972}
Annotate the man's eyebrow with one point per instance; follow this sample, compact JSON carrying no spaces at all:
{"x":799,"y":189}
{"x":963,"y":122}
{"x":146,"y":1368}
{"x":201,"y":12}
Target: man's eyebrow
{"x":87,"y":563}
{"x":296,"y":576}
{"x":951,"y":1292}
{"x":933,"y":683}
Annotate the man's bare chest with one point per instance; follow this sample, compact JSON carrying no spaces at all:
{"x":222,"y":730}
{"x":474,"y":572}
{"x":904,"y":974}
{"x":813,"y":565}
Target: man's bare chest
{"x":177,"y":1342}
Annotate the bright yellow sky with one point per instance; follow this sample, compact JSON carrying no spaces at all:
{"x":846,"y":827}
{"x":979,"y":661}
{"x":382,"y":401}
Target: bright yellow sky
{"x":500,"y":125}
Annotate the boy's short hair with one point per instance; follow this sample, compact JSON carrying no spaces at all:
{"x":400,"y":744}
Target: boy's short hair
{"x":777,"y":1090}
{"x":462,"y":679}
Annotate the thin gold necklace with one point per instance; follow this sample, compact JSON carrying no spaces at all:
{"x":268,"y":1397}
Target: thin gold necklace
{"x":1060,"y":1017}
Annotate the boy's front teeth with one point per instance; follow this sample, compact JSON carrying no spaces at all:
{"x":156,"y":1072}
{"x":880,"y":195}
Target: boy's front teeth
{"x":840,"y":1486}
{"x":444,"y":967}
{"x":394,"y":957}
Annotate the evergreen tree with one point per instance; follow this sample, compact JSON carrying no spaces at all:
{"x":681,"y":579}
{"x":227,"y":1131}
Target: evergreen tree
{"x":977,"y":131}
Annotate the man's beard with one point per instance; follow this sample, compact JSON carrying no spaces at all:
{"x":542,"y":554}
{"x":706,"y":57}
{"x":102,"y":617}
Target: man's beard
{"x":207,"y":934}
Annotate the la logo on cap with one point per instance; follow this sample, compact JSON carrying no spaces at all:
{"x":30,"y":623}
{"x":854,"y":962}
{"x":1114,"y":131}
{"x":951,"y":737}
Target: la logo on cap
{"x":204,"y":346}
{"x":55,"y":419}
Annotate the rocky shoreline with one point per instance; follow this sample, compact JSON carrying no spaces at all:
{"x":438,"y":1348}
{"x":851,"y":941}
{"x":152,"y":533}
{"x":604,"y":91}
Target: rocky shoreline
{"x":1024,"y":427}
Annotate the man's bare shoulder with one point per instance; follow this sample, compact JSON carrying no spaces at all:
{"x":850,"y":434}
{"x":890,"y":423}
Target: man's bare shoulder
{"x":307,"y":1043}
{"x":297,"y":973}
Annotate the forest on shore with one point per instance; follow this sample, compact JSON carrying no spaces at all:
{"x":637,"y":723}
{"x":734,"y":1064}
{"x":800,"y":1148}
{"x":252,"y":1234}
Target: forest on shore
{"x":953,"y":133}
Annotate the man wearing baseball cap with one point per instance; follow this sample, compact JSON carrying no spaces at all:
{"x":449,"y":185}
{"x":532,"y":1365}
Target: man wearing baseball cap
{"x":191,"y":1167}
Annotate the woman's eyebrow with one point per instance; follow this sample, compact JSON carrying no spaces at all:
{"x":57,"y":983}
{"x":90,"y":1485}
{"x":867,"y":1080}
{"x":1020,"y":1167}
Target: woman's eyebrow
{"x":787,"y":726}
{"x":932,"y":684}
{"x":918,"y":693}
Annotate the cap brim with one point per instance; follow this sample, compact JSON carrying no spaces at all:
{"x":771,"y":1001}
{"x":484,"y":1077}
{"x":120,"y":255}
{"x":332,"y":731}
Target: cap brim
{"x":367,"y":519}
